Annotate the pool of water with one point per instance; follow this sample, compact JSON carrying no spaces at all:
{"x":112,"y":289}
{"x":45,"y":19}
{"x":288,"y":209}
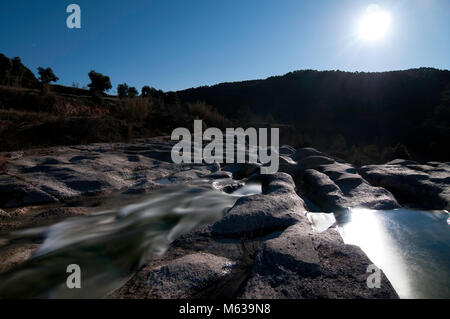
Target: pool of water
{"x":412,"y":247}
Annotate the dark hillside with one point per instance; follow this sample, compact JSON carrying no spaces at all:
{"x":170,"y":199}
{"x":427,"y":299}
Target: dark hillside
{"x":343,"y":110}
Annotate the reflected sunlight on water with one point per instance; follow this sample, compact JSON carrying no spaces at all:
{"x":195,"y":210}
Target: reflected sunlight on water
{"x":411,"y":247}
{"x":366,"y":230}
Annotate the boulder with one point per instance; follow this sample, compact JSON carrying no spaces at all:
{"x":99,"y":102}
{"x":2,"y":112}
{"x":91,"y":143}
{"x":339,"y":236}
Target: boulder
{"x":278,"y":208}
{"x":278,"y":183}
{"x":257,"y":215}
{"x":319,"y":188}
{"x":302,"y":264}
{"x":185,"y":276}
{"x":293,"y":250}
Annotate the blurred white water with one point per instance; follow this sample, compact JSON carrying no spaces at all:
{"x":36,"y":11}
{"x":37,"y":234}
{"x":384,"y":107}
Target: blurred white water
{"x":110,"y":245}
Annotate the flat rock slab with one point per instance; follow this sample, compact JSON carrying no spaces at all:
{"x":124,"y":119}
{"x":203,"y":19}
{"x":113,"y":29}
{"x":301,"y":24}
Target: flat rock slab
{"x":61,"y":173}
{"x":293,"y":250}
{"x":16,"y":193}
{"x":302,"y":264}
{"x":187,"y":275}
{"x":422,"y":186}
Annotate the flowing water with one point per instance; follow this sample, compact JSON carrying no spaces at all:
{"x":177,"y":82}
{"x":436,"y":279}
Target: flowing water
{"x":110,"y":245}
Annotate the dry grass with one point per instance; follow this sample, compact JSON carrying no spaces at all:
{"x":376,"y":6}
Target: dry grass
{"x":135,"y":109}
{"x":29,"y":120}
{"x":209,"y":115}
{"x":32,"y":101}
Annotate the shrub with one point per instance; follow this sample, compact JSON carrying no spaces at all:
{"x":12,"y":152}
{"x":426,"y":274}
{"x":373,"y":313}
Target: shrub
{"x":122,"y":90}
{"x":46,"y":76}
{"x":146,"y":91}
{"x":99,"y":82}
{"x":132,"y":92}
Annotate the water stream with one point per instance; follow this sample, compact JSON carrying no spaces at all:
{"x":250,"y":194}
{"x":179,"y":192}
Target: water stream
{"x":110,"y":245}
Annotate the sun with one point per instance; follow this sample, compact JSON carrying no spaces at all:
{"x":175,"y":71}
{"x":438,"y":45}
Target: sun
{"x":374,"y":25}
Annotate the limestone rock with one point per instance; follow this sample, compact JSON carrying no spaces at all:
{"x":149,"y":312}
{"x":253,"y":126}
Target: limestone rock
{"x":278,"y":208}
{"x":301,"y":264}
{"x":421,"y":186}
{"x":187,"y":275}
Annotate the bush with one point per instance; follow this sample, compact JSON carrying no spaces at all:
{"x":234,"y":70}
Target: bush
{"x":146,"y":91}
{"x":122,"y":90}
{"x":132,"y":92}
{"x":99,"y":82}
{"x":46,"y":76}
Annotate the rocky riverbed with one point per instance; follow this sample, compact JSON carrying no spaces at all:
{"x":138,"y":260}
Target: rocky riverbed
{"x":264,"y":246}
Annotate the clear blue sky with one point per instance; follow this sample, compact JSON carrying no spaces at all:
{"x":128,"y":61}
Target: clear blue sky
{"x":177,"y":44}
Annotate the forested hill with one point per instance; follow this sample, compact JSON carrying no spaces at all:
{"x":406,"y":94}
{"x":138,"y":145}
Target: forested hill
{"x":345,"y":110}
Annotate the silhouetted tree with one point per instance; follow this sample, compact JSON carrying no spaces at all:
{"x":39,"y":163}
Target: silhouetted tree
{"x":46,"y":76}
{"x":132,"y":92}
{"x":146,"y":91}
{"x":99,"y":82}
{"x":122,"y":90}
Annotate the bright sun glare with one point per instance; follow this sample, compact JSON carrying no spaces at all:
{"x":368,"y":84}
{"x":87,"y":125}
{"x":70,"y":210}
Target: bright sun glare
{"x":374,"y":24}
